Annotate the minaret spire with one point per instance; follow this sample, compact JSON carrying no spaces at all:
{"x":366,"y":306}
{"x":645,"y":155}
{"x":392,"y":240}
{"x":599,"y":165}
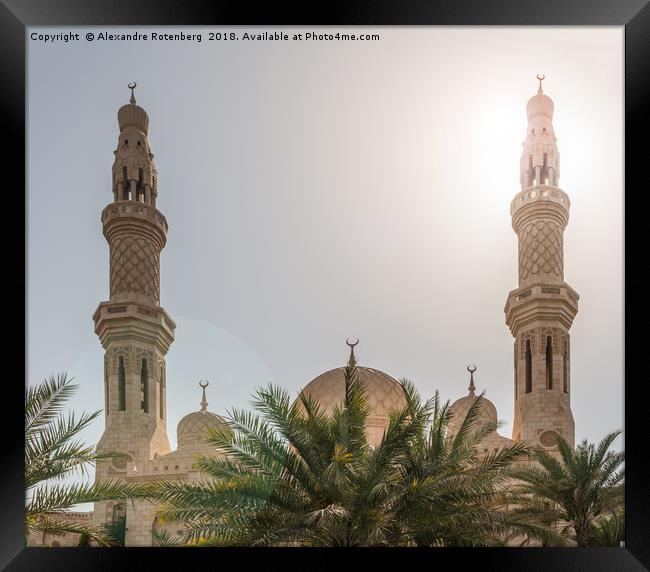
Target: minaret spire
{"x":540,"y":158}
{"x":541,"y":310}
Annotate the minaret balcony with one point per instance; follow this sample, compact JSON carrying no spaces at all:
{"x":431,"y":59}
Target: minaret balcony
{"x":539,"y":194}
{"x":541,"y":302}
{"x":133,"y":321}
{"x":135,"y":211}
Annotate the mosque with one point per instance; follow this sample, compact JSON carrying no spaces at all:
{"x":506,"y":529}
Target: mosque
{"x":136,"y":331}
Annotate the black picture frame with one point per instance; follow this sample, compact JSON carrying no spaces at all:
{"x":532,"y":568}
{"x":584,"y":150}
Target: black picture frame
{"x":16,"y":15}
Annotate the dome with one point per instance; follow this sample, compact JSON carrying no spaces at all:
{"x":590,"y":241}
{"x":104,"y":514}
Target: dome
{"x":383,"y":393}
{"x":133,"y":116}
{"x":487,"y":413}
{"x":193,"y":428}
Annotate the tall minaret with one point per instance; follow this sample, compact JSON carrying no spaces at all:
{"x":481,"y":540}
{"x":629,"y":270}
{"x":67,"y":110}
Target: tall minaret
{"x":134,"y":330}
{"x":540,"y":312}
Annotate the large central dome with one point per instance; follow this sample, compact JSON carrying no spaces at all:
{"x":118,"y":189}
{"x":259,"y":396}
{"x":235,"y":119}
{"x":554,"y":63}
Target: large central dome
{"x":383,"y":392}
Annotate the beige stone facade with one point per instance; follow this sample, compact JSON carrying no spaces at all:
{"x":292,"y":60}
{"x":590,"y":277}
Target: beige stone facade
{"x":136,"y":332}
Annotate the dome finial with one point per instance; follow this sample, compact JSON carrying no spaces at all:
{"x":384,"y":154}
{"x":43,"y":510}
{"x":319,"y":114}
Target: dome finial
{"x":472,"y":387}
{"x":132,"y":86}
{"x":204,"y":402}
{"x":541,"y":77}
{"x":352,"y":361}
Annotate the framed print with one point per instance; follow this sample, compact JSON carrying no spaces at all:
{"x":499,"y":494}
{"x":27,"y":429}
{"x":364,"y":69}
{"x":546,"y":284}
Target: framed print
{"x":297,"y":285}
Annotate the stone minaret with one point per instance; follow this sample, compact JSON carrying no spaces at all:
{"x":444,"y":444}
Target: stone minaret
{"x":134,"y":330}
{"x":540,"y":312}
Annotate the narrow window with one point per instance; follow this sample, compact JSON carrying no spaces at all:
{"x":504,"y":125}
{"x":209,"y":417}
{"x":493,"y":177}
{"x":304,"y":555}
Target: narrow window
{"x":162,"y":390}
{"x":125,"y":191}
{"x":144,"y":386}
{"x":566,"y":369}
{"x":515,"y":368}
{"x":121,"y":384}
{"x":549,"y":362}
{"x":529,"y":368}
{"x":107,"y":390}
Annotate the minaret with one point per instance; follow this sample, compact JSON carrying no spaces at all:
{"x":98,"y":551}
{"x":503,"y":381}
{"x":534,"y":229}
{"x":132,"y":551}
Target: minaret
{"x":540,"y":312}
{"x":134,"y":330}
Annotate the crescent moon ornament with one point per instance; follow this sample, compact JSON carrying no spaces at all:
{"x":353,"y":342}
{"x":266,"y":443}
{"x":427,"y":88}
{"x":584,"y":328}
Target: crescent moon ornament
{"x":352,"y":361}
{"x":132,"y":86}
{"x":540,"y":77}
{"x":472,"y":387}
{"x":204,"y":401}
{"x":350,"y":343}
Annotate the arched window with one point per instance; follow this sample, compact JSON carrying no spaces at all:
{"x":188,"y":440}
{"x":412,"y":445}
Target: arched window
{"x":549,"y":362}
{"x":144,"y":386}
{"x":565,"y":360}
{"x":108,"y":395}
{"x":161,"y":381}
{"x":529,"y":368}
{"x":121,"y":384}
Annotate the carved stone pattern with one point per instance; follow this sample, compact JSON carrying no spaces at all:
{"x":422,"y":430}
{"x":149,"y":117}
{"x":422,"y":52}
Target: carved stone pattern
{"x":533,"y":344}
{"x":548,"y":438}
{"x":115,"y":354}
{"x":555,"y":334}
{"x":540,"y":249}
{"x":135,"y":266}
{"x":148,"y":355}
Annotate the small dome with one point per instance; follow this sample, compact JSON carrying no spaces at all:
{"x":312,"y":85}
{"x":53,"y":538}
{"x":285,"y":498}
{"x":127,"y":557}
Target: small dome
{"x":539,"y":104}
{"x":130,"y":115}
{"x":193,"y":428}
{"x":487,"y":413}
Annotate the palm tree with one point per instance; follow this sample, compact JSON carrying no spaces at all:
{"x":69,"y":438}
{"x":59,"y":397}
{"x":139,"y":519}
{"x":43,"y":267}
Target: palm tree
{"x":52,"y":454}
{"x":293,"y":475}
{"x":581,"y":489}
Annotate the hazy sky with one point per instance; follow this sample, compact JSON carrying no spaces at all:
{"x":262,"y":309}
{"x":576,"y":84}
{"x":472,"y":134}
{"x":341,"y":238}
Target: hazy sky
{"x":319,"y":190}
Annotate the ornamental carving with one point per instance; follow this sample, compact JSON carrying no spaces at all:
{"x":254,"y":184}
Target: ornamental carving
{"x":148,"y":355}
{"x":540,"y":249}
{"x":135,"y":267}
{"x":122,"y":351}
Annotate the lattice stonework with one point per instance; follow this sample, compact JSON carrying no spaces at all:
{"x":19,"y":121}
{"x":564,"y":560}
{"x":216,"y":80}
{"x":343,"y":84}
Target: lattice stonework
{"x":135,"y":266}
{"x":540,"y":249}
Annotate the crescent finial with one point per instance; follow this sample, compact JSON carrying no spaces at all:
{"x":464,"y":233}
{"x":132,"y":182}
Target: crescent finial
{"x":352,"y":361}
{"x":541,"y":77}
{"x":472,"y":387}
{"x":132,"y":86}
{"x":204,"y":401}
